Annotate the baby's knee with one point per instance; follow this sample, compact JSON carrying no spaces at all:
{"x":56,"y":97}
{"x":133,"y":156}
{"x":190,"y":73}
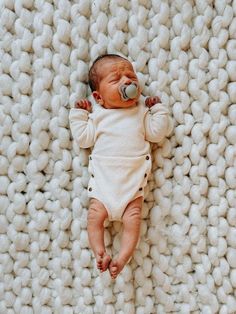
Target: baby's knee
{"x":132,"y":215}
{"x":97,"y":212}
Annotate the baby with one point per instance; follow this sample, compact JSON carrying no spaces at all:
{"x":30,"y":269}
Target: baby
{"x":119,"y":127}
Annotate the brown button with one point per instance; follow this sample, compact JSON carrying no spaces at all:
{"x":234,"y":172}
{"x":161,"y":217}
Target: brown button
{"x":90,"y":189}
{"x":145,"y":175}
{"x":140,"y":189}
{"x":147,"y":157}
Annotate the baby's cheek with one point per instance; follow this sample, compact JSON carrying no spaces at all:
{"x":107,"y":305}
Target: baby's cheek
{"x":115,"y":94}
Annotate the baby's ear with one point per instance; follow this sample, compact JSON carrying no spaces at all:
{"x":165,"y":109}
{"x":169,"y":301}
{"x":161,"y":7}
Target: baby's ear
{"x":97,"y":97}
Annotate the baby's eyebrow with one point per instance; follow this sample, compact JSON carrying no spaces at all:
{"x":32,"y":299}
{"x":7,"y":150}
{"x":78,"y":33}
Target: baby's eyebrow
{"x":131,"y":73}
{"x":113,"y":75}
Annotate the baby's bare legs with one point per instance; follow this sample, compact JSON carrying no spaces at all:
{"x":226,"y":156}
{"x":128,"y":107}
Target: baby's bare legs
{"x":96,"y":216}
{"x":131,"y":223}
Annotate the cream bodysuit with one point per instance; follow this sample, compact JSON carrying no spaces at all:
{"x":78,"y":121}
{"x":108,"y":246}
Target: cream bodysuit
{"x":120,"y":161}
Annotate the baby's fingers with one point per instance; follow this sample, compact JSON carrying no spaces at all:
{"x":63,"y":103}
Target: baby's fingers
{"x":84,"y":104}
{"x":79,"y":104}
{"x":156,"y":100}
{"x":151,"y":101}
{"x":148,"y":102}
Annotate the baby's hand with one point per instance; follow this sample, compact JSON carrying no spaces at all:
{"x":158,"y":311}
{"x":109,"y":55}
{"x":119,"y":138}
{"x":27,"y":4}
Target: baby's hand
{"x":151,"y":101}
{"x":84,"y":104}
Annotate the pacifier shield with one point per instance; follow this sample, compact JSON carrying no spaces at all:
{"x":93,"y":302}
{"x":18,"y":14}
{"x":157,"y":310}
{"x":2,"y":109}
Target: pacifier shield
{"x":131,"y":91}
{"x":128,"y":91}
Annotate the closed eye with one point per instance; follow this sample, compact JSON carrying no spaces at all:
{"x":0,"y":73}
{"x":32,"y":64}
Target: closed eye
{"x":132,"y":76}
{"x":114,"y":79}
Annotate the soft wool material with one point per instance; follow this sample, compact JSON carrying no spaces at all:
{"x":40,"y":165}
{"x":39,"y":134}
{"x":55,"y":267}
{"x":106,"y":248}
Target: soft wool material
{"x":120,"y":162}
{"x":183,"y":51}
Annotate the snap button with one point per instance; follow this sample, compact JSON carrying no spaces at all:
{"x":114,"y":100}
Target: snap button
{"x":147,"y":157}
{"x":90,"y":189}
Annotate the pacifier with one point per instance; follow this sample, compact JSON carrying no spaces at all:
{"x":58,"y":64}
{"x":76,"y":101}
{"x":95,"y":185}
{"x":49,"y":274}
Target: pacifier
{"x":128,"y":91}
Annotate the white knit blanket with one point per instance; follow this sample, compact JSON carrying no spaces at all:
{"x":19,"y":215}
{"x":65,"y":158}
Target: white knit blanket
{"x":184,"y":52}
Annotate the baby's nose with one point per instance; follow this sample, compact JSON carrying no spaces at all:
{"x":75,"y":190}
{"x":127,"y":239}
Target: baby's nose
{"x":128,"y":81}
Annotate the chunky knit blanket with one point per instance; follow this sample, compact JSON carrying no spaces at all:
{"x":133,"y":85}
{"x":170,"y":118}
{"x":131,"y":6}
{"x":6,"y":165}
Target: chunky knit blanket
{"x":184,"y":52}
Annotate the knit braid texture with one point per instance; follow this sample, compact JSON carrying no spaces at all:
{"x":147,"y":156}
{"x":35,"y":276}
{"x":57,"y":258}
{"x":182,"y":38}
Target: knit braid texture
{"x":185,"y":53}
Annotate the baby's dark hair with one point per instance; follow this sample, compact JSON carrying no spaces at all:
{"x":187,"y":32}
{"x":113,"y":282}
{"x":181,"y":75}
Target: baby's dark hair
{"x":93,"y":72}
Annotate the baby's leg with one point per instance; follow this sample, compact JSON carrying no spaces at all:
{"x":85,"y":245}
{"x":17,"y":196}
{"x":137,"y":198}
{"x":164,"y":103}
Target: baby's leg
{"x":96,"y":216}
{"x":131,"y":222}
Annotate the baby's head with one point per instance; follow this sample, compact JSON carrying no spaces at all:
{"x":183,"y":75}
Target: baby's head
{"x":108,"y":76}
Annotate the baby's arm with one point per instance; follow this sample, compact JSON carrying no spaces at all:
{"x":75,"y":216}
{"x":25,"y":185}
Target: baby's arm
{"x":82,"y":127}
{"x":157,"y":121}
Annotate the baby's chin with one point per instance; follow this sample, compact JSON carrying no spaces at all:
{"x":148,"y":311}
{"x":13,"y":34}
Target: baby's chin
{"x":123,"y":104}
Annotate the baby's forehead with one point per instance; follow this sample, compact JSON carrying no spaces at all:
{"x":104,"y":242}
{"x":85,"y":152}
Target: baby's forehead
{"x":121,"y":65}
{"x":114,"y":66}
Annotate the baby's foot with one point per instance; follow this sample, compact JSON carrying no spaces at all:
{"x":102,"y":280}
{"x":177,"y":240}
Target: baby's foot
{"x":116,"y":267}
{"x":103,"y":261}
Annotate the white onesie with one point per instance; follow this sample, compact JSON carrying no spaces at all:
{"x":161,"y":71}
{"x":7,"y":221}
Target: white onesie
{"x":120,"y":161}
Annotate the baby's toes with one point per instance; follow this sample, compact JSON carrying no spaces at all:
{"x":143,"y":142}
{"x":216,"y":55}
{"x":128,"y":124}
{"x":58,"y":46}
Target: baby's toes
{"x":106,"y":262}
{"x":113,"y":268}
{"x":99,"y":261}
